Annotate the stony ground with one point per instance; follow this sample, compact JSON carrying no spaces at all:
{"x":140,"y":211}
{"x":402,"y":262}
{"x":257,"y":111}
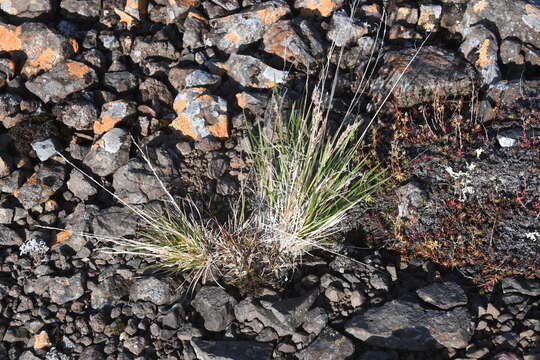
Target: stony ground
{"x":443,"y":260}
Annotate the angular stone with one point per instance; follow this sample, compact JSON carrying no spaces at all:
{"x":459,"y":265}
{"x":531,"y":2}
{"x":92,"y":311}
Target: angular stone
{"x":109,"y":291}
{"x":135,"y":345}
{"x":121,"y":81}
{"x":64,"y":79}
{"x":79,"y":115}
{"x":80,"y":185}
{"x":510,"y":52}
{"x":215,"y":306}
{"x":481,"y":49}
{"x":45,"y":149}
{"x":200,"y":115}
{"x":195,"y":30}
{"x":522,"y":286}
{"x":329,"y":345}
{"x":143,"y":49}
{"x":512,"y":19}
{"x":9,"y":237}
{"x":26,"y":8}
{"x":232,"y":32}
{"x":40,"y":186}
{"x":405,"y":14}
{"x":153,"y":90}
{"x":153,"y":290}
{"x":282,"y":39}
{"x":252,"y":72}
{"x":231,"y":350}
{"x":81,"y":9}
{"x":43,"y":48}
{"x":112,"y":113}
{"x":252,"y":101}
{"x":318,"y":7}
{"x":201,"y":78}
{"x":404,"y":324}
{"x":430,"y":14}
{"x":344,"y":30}
{"x":109,"y":153}
{"x":515,"y":99}
{"x":63,"y":289}
{"x":435,"y":72}
{"x":9,"y":110}
{"x":41,"y":340}
{"x":446,"y":295}
{"x":176,"y":8}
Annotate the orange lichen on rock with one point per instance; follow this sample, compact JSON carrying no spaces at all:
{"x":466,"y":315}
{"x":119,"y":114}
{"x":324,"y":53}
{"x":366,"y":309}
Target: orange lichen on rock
{"x":221,"y":128}
{"x":483,"y":58}
{"x":479,"y":6}
{"x":232,"y":37}
{"x":241,"y":100}
{"x":62,"y":236}
{"x":532,"y":11}
{"x":46,"y":60}
{"x":9,"y":36}
{"x":77,"y":69}
{"x":196,"y":15}
{"x":105,"y":123}
{"x":183,"y":124}
{"x":270,"y":15}
{"x":41,"y":340}
{"x":125,"y":17}
{"x":74,"y":45}
{"x":323,"y":7}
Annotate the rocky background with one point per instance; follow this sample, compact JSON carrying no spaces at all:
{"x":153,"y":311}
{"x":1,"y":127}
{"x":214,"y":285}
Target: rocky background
{"x":454,"y":236}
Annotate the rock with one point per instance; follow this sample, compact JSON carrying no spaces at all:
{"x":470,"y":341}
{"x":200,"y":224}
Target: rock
{"x":153,"y":90}
{"x":521,"y":286}
{"x":430,"y":15}
{"x":62,"y":80}
{"x":16,"y":334}
{"x":26,"y":8}
{"x":143,"y":49}
{"x":318,"y":7}
{"x":10,"y":109}
{"x":404,"y":324}
{"x":40,"y":186}
{"x":446,"y":295}
{"x":151,"y":289}
{"x":9,"y":237}
{"x":233,"y":32}
{"x":282,"y":39}
{"x":253,"y":101}
{"x":200,"y":115}
{"x":109,"y":153}
{"x":404,"y":14}
{"x":231,"y":350}
{"x":41,"y":340}
{"x":81,"y":9}
{"x":42,"y":47}
{"x":136,"y":183}
{"x":510,"y":52}
{"x":345,"y":30}
{"x":27,"y":355}
{"x":195,"y":30}
{"x":512,"y":19}
{"x":411,"y":197}
{"x":176,"y":8}
{"x":63,"y":289}
{"x":481,"y":49}
{"x":316,"y":321}
{"x":79,"y":115}
{"x":135,"y":345}
{"x":215,"y":306}
{"x":434,"y":72}
{"x":115,"y":221}
{"x":121,"y":81}
{"x":509,"y":98}
{"x":329,"y":345}
{"x":81,"y":186}
{"x":201,"y":78}
{"x":252,"y":72}
{"x":6,"y":215}
{"x":5,"y":165}
{"x":112,"y":113}
{"x":109,"y":291}
{"x":45,"y":149}
{"x":92,"y":353}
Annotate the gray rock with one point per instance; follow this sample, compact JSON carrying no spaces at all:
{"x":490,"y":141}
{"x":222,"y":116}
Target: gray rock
{"x":430,"y":14}
{"x":522,"y":286}
{"x":252,"y":72}
{"x":316,"y":320}
{"x":80,"y":185}
{"x":62,"y":80}
{"x":329,"y":345}
{"x":143,"y":49}
{"x":45,"y":149}
{"x":121,"y":81}
{"x":135,"y":345}
{"x":202,"y":78}
{"x":230,"y":33}
{"x":9,"y":237}
{"x":109,"y":153}
{"x":6,"y":215}
{"x":109,"y":292}
{"x":481,"y":49}
{"x":215,"y":306}
{"x":26,"y":8}
{"x":5,"y":164}
{"x":434,"y":72}
{"x":231,"y":350}
{"x":512,"y":19}
{"x":404,"y":324}
{"x":446,"y":295}
{"x":510,"y":52}
{"x":92,"y":353}
{"x":63,"y":289}
{"x":153,"y":290}
{"x":114,"y":112}
{"x":81,"y":9}
{"x":28,"y":355}
{"x":16,"y":334}
{"x":40,"y":186}
{"x":115,"y":221}
{"x":79,"y":115}
{"x":283,"y":40}
{"x":345,"y":30}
